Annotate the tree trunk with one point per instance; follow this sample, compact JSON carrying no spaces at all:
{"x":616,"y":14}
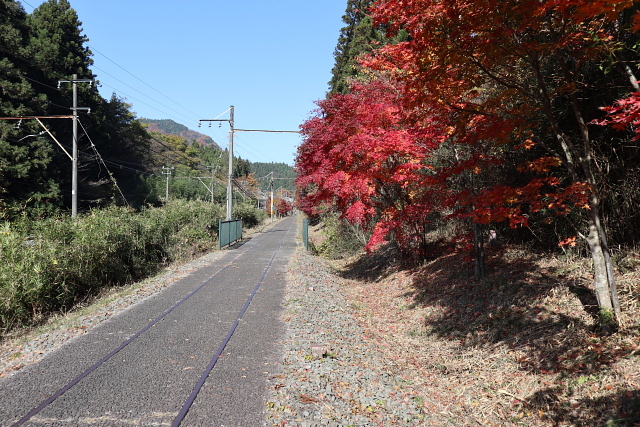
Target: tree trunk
{"x":479,"y":251}
{"x":580,"y":159}
{"x":600,"y":252}
{"x":601,"y":279}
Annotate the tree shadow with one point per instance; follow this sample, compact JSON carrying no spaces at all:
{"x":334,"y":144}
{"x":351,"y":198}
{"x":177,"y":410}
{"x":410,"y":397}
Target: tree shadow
{"x":384,"y":262}
{"x":378,"y":265}
{"x":548,"y":318}
{"x":616,"y":409}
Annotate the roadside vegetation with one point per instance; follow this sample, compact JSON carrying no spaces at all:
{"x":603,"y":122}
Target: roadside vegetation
{"x":142,"y":183}
{"x":51,"y":265}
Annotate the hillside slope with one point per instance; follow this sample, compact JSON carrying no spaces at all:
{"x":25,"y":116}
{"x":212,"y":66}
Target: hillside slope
{"x":169,"y":127}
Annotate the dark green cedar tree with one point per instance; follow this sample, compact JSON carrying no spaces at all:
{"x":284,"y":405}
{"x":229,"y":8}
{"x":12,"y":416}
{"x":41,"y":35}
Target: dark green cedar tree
{"x":25,"y":156}
{"x":360,"y":36}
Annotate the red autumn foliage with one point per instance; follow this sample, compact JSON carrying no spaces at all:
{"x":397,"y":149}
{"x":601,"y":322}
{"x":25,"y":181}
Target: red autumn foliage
{"x":625,"y":114}
{"x":282,"y":207}
{"x":446,"y":110}
{"x":360,"y":157}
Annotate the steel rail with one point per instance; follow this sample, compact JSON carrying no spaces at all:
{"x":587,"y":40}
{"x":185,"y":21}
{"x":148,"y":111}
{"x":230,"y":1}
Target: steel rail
{"x":192,"y":397}
{"x":95,"y":366}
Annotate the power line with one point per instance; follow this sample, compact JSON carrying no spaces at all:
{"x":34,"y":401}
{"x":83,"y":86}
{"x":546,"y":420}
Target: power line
{"x":141,"y":93}
{"x":113,"y":179}
{"x":142,"y":81}
{"x":127,"y":96}
{"x":245,"y":144}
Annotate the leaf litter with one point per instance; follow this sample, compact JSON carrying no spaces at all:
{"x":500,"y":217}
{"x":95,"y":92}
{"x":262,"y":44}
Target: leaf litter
{"x":522,"y":348}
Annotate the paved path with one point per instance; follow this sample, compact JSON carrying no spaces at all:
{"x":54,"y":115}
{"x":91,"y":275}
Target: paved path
{"x":149,"y":380}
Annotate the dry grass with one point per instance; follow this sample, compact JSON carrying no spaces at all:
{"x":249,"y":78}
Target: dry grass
{"x":520,"y":349}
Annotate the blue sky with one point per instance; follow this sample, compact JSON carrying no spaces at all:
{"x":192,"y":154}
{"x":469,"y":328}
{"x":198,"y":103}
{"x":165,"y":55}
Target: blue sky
{"x":192,"y":59}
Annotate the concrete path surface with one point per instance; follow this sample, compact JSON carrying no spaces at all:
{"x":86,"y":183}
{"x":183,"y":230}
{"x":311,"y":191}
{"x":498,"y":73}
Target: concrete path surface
{"x":146,"y":365}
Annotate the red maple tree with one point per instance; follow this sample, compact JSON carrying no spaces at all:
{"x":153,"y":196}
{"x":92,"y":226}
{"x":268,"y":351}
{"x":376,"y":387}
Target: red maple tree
{"x":360,"y":157}
{"x":514,"y":62}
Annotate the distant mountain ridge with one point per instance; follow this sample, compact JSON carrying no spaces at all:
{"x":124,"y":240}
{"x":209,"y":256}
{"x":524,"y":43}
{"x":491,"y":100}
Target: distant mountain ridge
{"x":170,"y":127}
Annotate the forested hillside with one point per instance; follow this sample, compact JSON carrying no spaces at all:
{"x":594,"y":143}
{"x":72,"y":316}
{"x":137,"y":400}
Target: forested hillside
{"x":467,"y":121}
{"x":282,"y":174}
{"x":170,"y":127}
{"x":121,"y":159}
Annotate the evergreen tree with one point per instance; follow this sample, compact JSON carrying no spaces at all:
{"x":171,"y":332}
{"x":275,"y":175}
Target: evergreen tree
{"x":123,"y":144}
{"x":359,"y":37}
{"x":58,"y":48}
{"x":24,"y":156}
{"x":57,"y":41}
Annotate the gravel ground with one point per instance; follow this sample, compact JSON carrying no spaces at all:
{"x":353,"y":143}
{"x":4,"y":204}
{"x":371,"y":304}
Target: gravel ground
{"x":333,"y":374}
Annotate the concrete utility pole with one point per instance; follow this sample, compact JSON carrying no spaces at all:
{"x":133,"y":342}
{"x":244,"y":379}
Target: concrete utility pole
{"x":271,"y":185}
{"x":168,"y":173}
{"x":230,"y":184}
{"x":74,"y":153}
{"x":230,"y":181}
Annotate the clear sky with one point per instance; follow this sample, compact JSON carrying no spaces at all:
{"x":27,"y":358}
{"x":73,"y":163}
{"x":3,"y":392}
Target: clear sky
{"x":192,"y":59}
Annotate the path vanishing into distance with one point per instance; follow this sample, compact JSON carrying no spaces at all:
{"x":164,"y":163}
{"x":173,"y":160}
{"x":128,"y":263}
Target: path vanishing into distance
{"x":198,"y":353}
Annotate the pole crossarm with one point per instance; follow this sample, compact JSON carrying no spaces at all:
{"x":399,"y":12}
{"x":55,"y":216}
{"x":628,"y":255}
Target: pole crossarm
{"x":75,"y":80}
{"x":35,"y":117}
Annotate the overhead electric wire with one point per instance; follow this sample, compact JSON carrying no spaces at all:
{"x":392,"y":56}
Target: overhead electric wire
{"x":163,"y":145}
{"x":116,"y":89}
{"x":93,"y":49}
{"x":142,"y":81}
{"x":141,"y":93}
{"x":93,"y":146}
{"x":121,"y":166}
{"x":127,"y":96}
{"x":244,"y":145}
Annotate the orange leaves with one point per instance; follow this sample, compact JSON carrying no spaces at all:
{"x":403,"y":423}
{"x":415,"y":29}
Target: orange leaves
{"x":437,"y":129}
{"x":517,"y":204}
{"x":542,"y":166}
{"x":571,"y":241}
{"x":527,"y":145}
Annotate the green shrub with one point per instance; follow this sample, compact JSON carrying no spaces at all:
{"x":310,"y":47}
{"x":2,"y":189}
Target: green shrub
{"x":342,"y":239}
{"x":53,"y":264}
{"x":251,"y":216}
